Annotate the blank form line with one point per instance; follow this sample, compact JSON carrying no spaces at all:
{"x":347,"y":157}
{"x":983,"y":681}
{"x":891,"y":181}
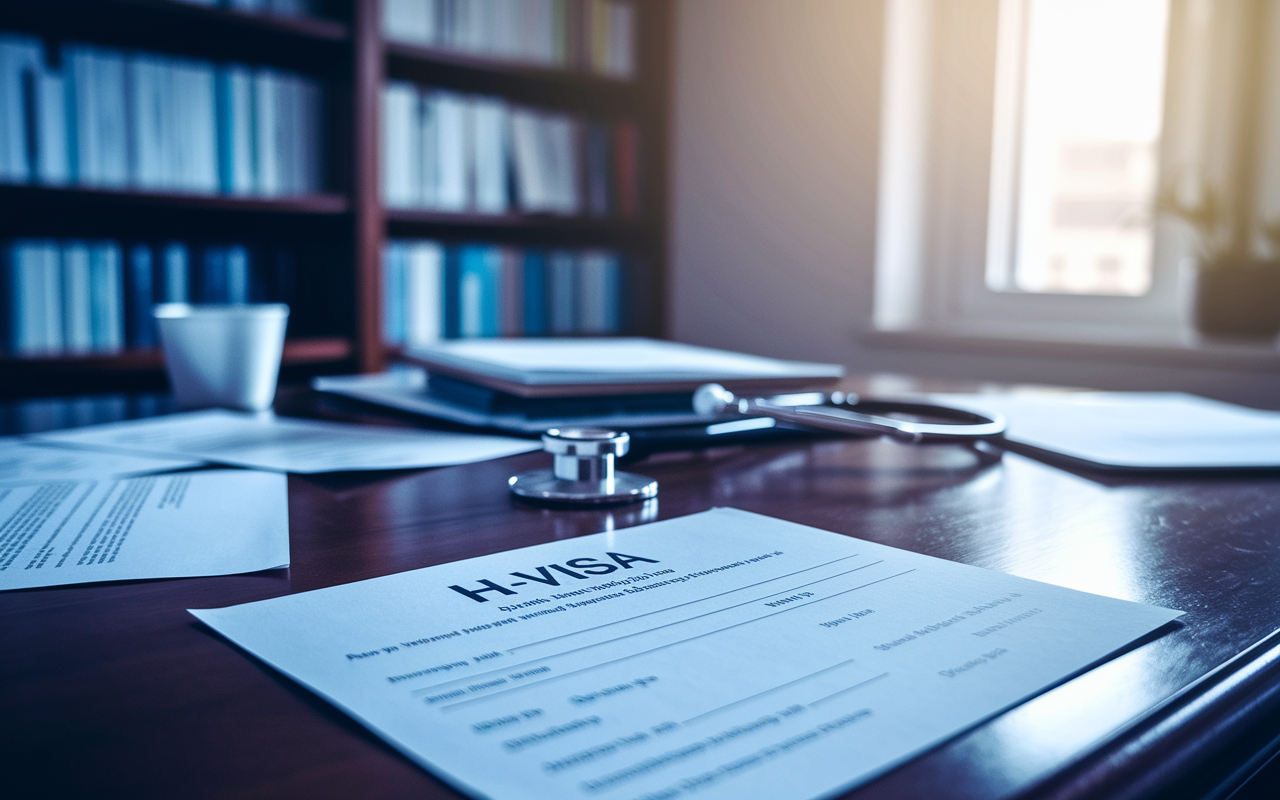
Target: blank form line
{"x":665,"y":646}
{"x":767,"y":691}
{"x":847,"y":689}
{"x":481,"y":675}
{"x":691,"y":602}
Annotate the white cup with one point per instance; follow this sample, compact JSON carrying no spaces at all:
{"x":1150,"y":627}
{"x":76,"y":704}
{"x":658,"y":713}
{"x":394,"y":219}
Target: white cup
{"x":225,"y":356}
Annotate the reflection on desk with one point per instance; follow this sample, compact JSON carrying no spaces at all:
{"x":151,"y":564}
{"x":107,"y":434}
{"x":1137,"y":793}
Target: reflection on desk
{"x":111,"y":689}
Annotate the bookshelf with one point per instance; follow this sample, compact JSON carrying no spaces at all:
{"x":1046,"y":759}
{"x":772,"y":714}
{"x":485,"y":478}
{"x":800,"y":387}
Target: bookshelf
{"x":342,"y":229}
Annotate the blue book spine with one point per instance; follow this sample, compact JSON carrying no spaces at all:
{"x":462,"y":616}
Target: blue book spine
{"x":107,"y":301}
{"x":222,"y":119}
{"x":175,"y":270}
{"x":491,"y":293}
{"x":393,"y":295}
{"x":140,"y":327}
{"x":535,"y":293}
{"x":452,"y":311}
{"x":238,"y":273}
{"x":478,"y":291}
{"x":615,"y":308}
{"x":562,"y":292}
{"x":213,"y":275}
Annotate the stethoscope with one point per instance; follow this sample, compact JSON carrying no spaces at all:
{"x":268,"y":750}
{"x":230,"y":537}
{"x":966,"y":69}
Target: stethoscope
{"x":583,"y":472}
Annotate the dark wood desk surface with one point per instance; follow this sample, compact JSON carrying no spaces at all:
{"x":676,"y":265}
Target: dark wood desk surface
{"x":114,"y":690}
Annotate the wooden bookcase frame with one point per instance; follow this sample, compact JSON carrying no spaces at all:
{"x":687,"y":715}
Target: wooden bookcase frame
{"x":345,"y":49}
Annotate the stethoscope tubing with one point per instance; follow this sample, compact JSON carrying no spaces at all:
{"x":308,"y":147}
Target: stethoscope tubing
{"x":849,"y":414}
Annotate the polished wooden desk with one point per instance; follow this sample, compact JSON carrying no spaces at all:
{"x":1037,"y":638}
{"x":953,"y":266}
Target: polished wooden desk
{"x":113,"y":690}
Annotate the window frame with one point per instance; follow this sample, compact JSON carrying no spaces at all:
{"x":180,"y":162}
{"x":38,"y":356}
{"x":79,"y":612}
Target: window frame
{"x":948,"y":158}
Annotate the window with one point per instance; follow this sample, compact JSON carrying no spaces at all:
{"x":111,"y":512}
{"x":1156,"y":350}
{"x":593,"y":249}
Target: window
{"x":1079,"y":101}
{"x":1023,"y":144}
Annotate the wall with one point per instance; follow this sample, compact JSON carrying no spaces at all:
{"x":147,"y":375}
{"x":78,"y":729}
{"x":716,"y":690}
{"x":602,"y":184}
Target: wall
{"x":775,"y":149}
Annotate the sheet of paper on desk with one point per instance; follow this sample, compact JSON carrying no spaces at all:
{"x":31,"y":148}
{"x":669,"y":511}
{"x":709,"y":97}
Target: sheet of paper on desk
{"x":23,"y":462}
{"x":719,"y":655}
{"x":214,"y":522}
{"x":1136,"y":430}
{"x":291,"y":445}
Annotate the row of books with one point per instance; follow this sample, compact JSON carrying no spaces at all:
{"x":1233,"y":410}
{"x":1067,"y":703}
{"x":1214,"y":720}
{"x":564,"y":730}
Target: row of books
{"x":280,"y":8}
{"x":433,"y":291}
{"x":592,"y":35}
{"x":451,"y":152}
{"x":108,"y":118}
{"x":78,"y":297}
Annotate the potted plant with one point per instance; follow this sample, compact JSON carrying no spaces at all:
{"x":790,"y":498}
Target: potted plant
{"x":1237,"y":282}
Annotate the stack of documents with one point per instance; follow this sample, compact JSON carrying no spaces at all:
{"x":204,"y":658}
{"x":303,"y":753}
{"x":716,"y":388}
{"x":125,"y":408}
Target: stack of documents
{"x":529,"y":385}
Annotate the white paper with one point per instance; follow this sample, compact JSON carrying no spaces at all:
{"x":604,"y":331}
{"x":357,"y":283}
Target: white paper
{"x":24,"y":461}
{"x":290,"y":445}
{"x":723,"y":655}
{"x":611,"y":358}
{"x":1141,"y":430}
{"x":214,"y":522}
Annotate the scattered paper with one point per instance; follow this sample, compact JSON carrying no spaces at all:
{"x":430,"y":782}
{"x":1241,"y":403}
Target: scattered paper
{"x":721,"y":655}
{"x":1136,"y":430}
{"x":214,"y":522}
{"x":290,"y":445}
{"x":23,"y":461}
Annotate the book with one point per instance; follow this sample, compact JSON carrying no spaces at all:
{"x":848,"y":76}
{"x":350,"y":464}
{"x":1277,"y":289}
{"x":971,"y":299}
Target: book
{"x":528,"y":162}
{"x":107,"y":302}
{"x":423,"y":288}
{"x":453,"y":151}
{"x":20,"y":62}
{"x":239,"y":274}
{"x":173,"y":284}
{"x":267,"y":138}
{"x":102,"y":126}
{"x":535,"y":294}
{"x":490,"y":153}
{"x":590,"y":35}
{"x":393,"y":293}
{"x":410,"y":21}
{"x":52,"y":161}
{"x":45,"y":260}
{"x":479,"y":291}
{"x":234,"y":86}
{"x":149,"y":93}
{"x":401,"y":153}
{"x":139,"y":297}
{"x":77,"y":299}
{"x":450,"y":306}
{"x":561,"y":293}
{"x":511,"y":290}
{"x":561,"y":135}
{"x":598,"y":295}
{"x":35,"y":283}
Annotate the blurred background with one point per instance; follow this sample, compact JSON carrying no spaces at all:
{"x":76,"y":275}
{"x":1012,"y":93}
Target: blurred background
{"x":1074,"y":192}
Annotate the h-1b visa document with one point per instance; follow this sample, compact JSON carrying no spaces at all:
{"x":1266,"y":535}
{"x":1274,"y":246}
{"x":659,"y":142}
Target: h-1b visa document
{"x":183,"y":524}
{"x":721,"y":655}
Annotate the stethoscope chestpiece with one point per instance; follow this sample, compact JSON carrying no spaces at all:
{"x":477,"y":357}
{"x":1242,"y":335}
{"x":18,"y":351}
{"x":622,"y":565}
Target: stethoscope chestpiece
{"x":583,"y":471}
